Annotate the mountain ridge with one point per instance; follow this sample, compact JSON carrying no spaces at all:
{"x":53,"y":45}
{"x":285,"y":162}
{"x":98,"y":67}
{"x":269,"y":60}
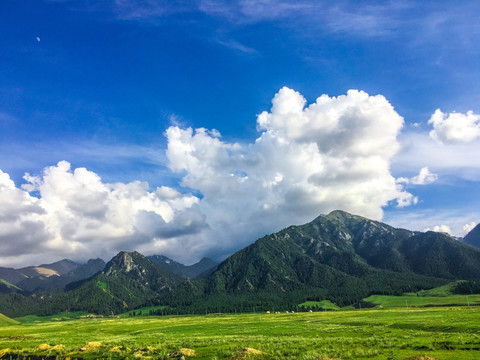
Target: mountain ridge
{"x":194,"y":271}
{"x":473,"y":237}
{"x":338,"y":257}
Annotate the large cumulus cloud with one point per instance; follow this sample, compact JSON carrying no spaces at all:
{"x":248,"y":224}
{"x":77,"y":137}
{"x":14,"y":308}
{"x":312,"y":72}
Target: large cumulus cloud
{"x":333,"y":154}
{"x":307,"y":160}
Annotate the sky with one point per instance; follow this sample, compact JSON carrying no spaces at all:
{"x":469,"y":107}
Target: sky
{"x":192,"y":128}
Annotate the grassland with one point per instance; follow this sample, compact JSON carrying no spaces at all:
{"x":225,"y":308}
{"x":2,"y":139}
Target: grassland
{"x":442,"y":333}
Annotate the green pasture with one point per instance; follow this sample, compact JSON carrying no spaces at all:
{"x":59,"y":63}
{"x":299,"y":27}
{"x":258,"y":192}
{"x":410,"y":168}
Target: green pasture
{"x":442,"y":333}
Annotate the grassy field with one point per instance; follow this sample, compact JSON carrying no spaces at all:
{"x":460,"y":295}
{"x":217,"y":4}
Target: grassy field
{"x":442,"y":333}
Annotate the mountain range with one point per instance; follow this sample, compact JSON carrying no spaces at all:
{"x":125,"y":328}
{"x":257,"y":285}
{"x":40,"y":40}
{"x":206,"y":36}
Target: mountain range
{"x":200,"y":269}
{"x":338,"y":257}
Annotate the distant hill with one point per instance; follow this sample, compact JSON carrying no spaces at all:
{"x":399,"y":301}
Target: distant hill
{"x":473,"y":237}
{"x":128,"y":281}
{"x":197,"y":270}
{"x":58,"y":268}
{"x":44,"y":283}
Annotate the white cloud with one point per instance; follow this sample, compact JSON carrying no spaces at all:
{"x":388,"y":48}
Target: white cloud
{"x":469,"y":227}
{"x":77,"y":215}
{"x":333,"y":154}
{"x":423,"y":178}
{"x":442,"y":228}
{"x":455,"y":127}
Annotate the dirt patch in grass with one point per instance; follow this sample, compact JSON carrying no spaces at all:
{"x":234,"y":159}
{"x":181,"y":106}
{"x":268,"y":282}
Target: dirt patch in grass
{"x":91,"y":346}
{"x":246,"y":352}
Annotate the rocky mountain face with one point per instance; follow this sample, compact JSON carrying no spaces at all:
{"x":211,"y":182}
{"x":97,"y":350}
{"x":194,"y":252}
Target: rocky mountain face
{"x":198,"y":270}
{"x":137,"y":267}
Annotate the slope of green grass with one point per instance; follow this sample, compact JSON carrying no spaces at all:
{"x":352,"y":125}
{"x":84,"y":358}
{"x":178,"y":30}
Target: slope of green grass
{"x":442,"y":333}
{"x":8,"y":285}
{"x":445,"y":290}
{"x":57,"y":317}
{"x":422,"y":301}
{"x":4,"y":320}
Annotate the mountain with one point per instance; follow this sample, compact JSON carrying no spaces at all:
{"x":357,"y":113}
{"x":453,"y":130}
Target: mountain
{"x":58,"y":268}
{"x":128,"y":281}
{"x":44,"y":283}
{"x":6,"y":287}
{"x":339,"y":257}
{"x":197,"y":270}
{"x":473,"y":237}
{"x":12,"y":276}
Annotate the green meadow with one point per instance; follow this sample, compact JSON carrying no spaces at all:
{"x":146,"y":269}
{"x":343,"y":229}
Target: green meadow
{"x":398,"y":333}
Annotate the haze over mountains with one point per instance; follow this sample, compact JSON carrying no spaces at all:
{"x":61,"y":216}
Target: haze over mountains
{"x":339,"y":257}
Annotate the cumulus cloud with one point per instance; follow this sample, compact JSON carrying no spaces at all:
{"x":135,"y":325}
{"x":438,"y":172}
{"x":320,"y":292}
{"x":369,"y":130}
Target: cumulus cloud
{"x":77,"y":215}
{"x":455,"y":127}
{"x":333,"y":154}
{"x":307,"y":160}
{"x":423,"y":178}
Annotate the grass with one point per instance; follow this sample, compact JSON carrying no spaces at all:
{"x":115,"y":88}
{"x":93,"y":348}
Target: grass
{"x":439,"y":296}
{"x":445,"y":290}
{"x":7,"y":284}
{"x":322,"y":305}
{"x":57,"y":317}
{"x":4,"y":320}
{"x":422,"y":301}
{"x":399,"y":333}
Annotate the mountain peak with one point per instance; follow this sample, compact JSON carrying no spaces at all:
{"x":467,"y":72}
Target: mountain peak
{"x":125,"y":262}
{"x":342,"y":215}
{"x":473,"y":237}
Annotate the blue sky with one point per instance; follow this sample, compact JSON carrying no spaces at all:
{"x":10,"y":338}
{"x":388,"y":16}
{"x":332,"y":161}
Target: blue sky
{"x":97,"y":84}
